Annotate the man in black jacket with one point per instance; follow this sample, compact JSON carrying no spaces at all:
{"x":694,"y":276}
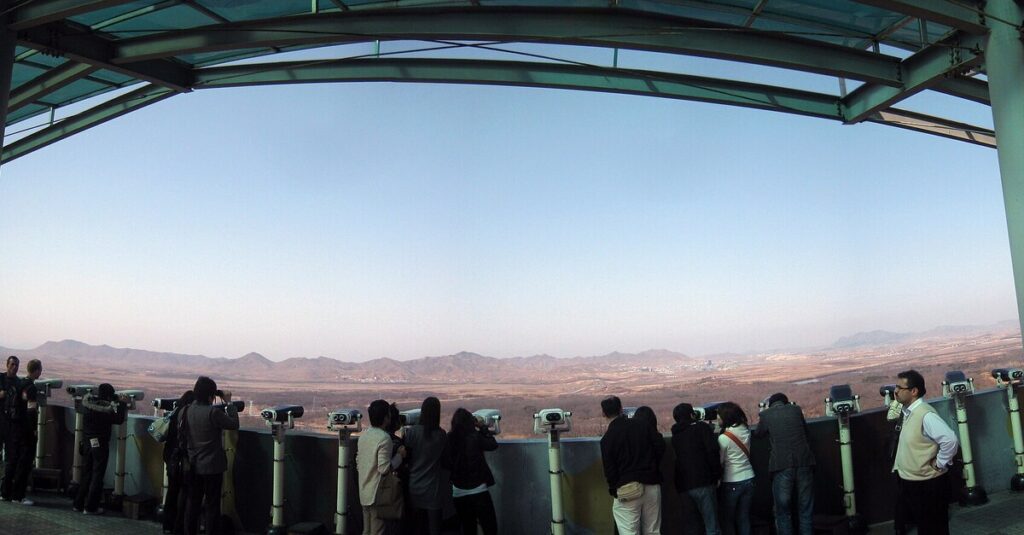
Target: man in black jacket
{"x":23,"y":427}
{"x":10,"y":432}
{"x":698,"y":469}
{"x":790,"y":462}
{"x":102,"y":411}
{"x":630,"y":451}
{"x":205,"y":426}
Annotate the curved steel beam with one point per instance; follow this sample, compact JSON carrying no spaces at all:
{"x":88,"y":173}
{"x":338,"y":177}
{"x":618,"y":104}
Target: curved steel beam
{"x":611,"y":28}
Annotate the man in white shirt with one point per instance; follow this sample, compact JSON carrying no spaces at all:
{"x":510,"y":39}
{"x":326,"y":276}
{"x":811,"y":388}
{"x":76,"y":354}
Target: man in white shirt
{"x":926,"y":448}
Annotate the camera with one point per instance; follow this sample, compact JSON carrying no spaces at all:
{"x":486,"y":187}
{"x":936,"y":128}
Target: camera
{"x":350,"y":419}
{"x":841,"y":401}
{"x":549,"y":420}
{"x":409,"y":417}
{"x":489,"y":418}
{"x":80,"y":391}
{"x":956,"y":384}
{"x":1008,"y":375}
{"x":282,"y":413}
{"x":239,"y":405}
{"x":165,"y":404}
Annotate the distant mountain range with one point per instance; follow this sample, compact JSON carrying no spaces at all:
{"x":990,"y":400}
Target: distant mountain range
{"x":460,"y":367}
{"x":464,"y":366}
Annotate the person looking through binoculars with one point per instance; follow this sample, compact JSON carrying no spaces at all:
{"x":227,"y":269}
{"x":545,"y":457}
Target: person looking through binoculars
{"x":791,"y":463}
{"x":471,"y":476}
{"x":102,"y":411}
{"x":201,"y":429}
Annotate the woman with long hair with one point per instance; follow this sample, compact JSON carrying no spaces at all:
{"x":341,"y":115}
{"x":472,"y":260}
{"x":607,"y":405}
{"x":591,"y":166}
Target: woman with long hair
{"x":177,"y":495}
{"x":428,"y":484}
{"x":471,"y":476}
{"x":737,"y":473}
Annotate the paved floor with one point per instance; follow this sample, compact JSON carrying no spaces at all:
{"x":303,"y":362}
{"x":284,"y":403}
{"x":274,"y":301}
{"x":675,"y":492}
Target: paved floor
{"x":52,"y":515}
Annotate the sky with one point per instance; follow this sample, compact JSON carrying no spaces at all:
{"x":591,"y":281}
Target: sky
{"x":358,"y":221}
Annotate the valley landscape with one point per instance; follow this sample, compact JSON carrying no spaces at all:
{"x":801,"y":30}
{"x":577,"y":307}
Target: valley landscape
{"x":520,"y":386}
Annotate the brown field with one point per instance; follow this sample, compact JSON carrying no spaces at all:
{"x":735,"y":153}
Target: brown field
{"x":805,"y":377}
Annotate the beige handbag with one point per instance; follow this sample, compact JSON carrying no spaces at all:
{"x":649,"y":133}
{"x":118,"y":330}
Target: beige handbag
{"x":630,"y":491}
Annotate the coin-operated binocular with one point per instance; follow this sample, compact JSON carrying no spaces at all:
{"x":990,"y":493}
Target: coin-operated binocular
{"x":957,"y":386}
{"x":128,"y":398}
{"x":77,"y":393}
{"x":888,"y":393}
{"x":490,"y":419}
{"x":1009,"y":379}
{"x":44,"y":388}
{"x":344,"y":422}
{"x":279,"y":419}
{"x":843,"y":403}
{"x":554,"y":422}
{"x":410,"y":417}
{"x":708,"y":412}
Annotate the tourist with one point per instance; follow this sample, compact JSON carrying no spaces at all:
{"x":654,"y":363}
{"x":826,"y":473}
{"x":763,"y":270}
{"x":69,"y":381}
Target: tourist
{"x":102,"y":411}
{"x":23,"y":427}
{"x":737,"y":486}
{"x":428,"y":481}
{"x":471,"y":476}
{"x":790,"y":462}
{"x":375,"y":458}
{"x":175,"y":502}
{"x":925,"y":451}
{"x":630,"y":453}
{"x":203,"y":427}
{"x":697,"y":471}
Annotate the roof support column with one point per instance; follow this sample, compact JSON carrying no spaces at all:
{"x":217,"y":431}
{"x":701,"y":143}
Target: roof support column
{"x":7,"y":43}
{"x":1004,"y":60}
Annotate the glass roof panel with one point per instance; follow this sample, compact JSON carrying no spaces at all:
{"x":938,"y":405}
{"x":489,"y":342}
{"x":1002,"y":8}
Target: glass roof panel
{"x":113,"y":77}
{"x":212,"y":58}
{"x":173,"y":18}
{"x":75,"y":91}
{"x":23,"y":113}
{"x":23,"y":73}
{"x":241,"y":10}
{"x":43,"y":60}
{"x":94,"y":17}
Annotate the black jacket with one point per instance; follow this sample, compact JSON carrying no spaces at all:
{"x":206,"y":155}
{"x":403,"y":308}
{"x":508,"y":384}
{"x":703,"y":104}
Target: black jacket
{"x":11,"y":387}
{"x":698,"y":463}
{"x":469,"y":466}
{"x":631,"y":451}
{"x":784,"y":425}
{"x":99,"y":416}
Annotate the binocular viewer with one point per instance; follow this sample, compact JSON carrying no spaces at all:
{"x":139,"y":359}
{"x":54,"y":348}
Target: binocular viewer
{"x":80,"y":391}
{"x":957,"y":383}
{"x":282,"y":413}
{"x":841,"y":401}
{"x":549,"y":420}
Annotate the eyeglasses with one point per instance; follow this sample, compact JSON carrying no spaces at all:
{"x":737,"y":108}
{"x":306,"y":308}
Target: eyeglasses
{"x":898,"y":388}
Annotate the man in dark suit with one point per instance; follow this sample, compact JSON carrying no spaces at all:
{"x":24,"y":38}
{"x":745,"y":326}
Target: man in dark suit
{"x":790,"y":462}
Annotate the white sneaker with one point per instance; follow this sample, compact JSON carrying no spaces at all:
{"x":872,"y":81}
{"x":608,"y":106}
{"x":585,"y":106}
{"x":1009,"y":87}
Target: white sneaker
{"x":27,"y":501}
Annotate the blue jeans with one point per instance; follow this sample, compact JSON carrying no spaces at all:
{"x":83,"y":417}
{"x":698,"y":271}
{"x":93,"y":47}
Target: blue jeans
{"x":707,"y":507}
{"x":783,"y":482}
{"x":736,"y":497}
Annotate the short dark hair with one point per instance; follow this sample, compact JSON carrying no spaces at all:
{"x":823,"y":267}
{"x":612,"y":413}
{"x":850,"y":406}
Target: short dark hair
{"x":105,"y":392}
{"x":914,"y":380}
{"x":378,"y":411}
{"x":205,"y":389}
{"x":34,"y":365}
{"x":683,"y":413}
{"x":646,"y":414}
{"x":396,"y":419}
{"x":430,"y":414}
{"x":777,"y":397}
{"x":731,"y":414}
{"x":611,"y":406}
{"x":16,"y":359}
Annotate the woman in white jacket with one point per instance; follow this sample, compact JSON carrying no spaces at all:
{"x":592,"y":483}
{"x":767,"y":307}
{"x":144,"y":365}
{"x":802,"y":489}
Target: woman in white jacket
{"x":737,"y":474}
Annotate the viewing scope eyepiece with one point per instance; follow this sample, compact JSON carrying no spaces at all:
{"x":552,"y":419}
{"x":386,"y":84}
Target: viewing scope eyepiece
{"x":409,"y":417}
{"x":281,"y":412}
{"x":47,"y":384}
{"x":707,"y":412}
{"x":489,"y":418}
{"x":345,"y":419}
{"x":549,"y":420}
{"x":887,"y":390}
{"x":841,"y":401}
{"x":238,"y":404}
{"x":80,"y":391}
{"x":956,"y":383}
{"x":1008,"y":374}
{"x":165,"y":404}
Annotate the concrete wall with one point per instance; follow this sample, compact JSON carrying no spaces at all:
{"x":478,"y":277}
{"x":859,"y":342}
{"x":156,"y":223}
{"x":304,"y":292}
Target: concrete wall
{"x":520,"y":466}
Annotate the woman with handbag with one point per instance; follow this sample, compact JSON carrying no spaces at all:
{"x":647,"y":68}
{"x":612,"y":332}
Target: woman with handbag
{"x":428,"y":482}
{"x":737,"y":473}
{"x":380,"y":492}
{"x":471,"y":476}
{"x":174,"y":503}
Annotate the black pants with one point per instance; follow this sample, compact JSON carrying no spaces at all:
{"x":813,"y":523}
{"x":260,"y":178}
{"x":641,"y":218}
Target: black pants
{"x":926,"y":504}
{"x":175,"y":504}
{"x":200,"y":487}
{"x":476,"y":509}
{"x":94,"y":467}
{"x":427,"y":521}
{"x":16,"y":452}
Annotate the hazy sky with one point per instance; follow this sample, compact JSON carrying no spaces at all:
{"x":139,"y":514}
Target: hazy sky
{"x":402,"y":220}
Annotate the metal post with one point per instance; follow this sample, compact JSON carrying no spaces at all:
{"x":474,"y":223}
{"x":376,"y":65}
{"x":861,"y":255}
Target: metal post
{"x":76,"y":467}
{"x":277,"y":504}
{"x":122,"y":438}
{"x":7,"y":43}
{"x":973,"y":494}
{"x":846,"y":456}
{"x":166,"y":483}
{"x":341,"y":507}
{"x":41,"y":436}
{"x":1017,"y":482}
{"x":555,"y":470}
{"x":1004,"y":64}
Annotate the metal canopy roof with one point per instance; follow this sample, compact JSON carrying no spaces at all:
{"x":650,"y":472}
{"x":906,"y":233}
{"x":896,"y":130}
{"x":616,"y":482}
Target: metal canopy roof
{"x":72,"y":50}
